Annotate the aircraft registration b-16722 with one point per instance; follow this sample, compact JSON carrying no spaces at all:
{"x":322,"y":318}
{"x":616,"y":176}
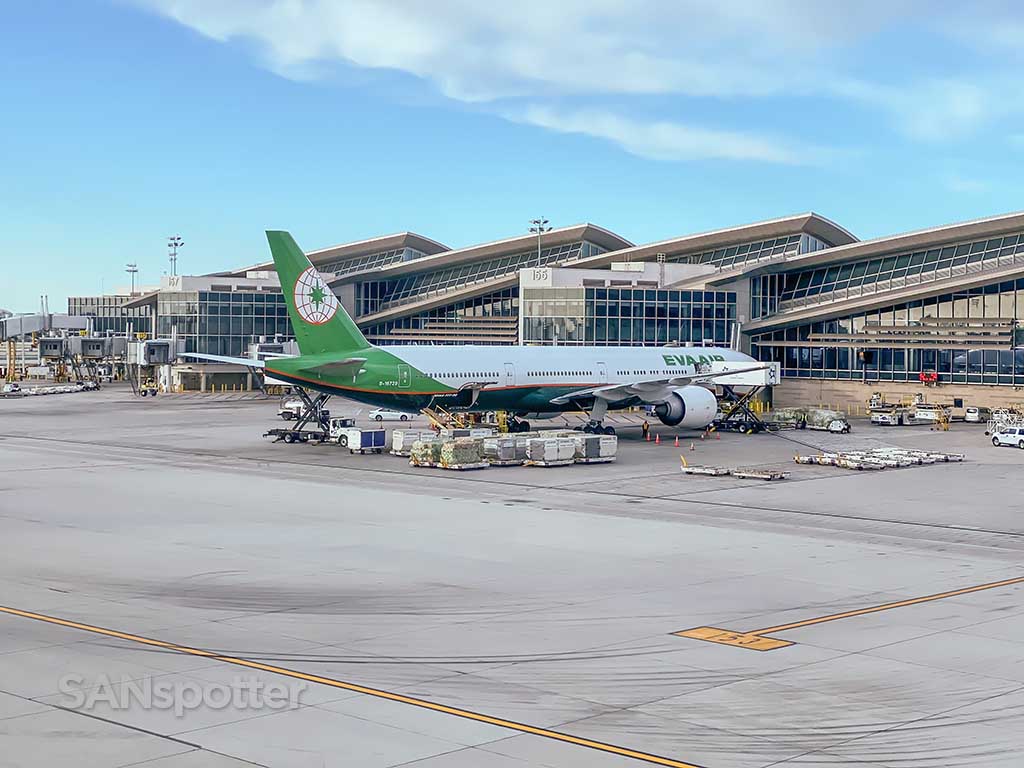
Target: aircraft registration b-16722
{"x":528,"y":381}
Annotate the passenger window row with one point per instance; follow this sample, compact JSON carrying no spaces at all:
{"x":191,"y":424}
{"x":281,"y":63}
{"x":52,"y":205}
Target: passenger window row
{"x":559,"y":373}
{"x":470,"y":375}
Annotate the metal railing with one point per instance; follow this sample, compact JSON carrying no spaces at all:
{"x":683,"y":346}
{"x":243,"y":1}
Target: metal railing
{"x":900,"y":282}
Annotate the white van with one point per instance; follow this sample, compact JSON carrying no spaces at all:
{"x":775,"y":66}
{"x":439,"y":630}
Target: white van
{"x":974,"y":414}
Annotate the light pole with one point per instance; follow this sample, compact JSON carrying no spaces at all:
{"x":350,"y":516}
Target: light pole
{"x":539,"y":226}
{"x":132,"y":269}
{"x":174,"y":242}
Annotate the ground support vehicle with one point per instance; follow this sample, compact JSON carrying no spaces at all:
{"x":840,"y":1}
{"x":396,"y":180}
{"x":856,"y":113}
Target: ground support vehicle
{"x":313,"y":424}
{"x":291,"y":408}
{"x":893,"y":416}
{"x":344,"y":432}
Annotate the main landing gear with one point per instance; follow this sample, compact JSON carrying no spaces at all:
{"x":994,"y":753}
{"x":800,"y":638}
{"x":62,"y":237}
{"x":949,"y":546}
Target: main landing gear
{"x":518,"y":425}
{"x":596,"y":426}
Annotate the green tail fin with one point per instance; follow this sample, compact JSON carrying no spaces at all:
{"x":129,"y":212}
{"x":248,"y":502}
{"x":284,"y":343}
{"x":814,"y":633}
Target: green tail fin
{"x":319,"y":321}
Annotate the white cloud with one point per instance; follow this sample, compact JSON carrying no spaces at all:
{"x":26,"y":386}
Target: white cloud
{"x":664,"y":140}
{"x":521,"y":58}
{"x":933,"y":109}
{"x":481,"y":51}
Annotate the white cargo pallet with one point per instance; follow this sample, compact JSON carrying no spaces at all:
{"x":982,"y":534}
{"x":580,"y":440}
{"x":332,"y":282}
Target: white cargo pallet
{"x":405,"y":454}
{"x":879,"y":458}
{"x":553,"y":463}
{"x":595,"y":460}
{"x":506,"y":462}
{"x":463,"y":467}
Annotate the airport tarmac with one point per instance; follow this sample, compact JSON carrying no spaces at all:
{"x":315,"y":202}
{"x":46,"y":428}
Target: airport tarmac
{"x":360,"y":612}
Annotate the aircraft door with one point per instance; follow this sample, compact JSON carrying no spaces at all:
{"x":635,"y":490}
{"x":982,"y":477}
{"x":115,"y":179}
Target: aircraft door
{"x":602,"y":373}
{"x":404,"y":376}
{"x":510,"y":375}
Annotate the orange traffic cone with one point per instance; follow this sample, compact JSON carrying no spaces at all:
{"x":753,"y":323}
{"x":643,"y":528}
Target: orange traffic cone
{"x":677,"y":441}
{"x":647,"y":437}
{"x":657,"y":439}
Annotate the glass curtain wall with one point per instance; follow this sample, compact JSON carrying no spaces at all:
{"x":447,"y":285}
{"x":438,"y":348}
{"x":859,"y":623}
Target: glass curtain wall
{"x":627,"y":316}
{"x":109,"y":314}
{"x":369,"y":261}
{"x":222,"y":323}
{"x":999,"y":301}
{"x":915,"y":266}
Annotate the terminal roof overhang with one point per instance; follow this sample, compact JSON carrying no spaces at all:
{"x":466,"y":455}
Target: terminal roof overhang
{"x":144,"y":300}
{"x":351,"y":250}
{"x":590,"y":232}
{"x":810,"y":223}
{"x":977,"y":229}
{"x":891,"y":244}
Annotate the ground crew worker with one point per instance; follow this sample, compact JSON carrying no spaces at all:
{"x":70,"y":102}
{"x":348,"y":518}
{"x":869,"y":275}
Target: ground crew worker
{"x":645,"y":428}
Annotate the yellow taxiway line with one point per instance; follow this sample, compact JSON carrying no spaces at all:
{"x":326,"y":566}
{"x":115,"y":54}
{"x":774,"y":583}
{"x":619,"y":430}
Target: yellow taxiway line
{"x":566,"y":738}
{"x":756,"y":639}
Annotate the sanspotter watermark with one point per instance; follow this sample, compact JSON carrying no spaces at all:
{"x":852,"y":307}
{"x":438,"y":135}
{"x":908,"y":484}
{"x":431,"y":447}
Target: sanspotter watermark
{"x":178,"y":696}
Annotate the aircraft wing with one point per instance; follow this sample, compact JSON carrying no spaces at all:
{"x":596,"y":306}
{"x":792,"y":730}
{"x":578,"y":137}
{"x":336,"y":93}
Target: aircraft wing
{"x":246,"y":361}
{"x":649,"y":390}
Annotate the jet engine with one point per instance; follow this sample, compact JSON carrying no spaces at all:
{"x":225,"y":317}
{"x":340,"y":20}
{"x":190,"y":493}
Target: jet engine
{"x":692,"y":407}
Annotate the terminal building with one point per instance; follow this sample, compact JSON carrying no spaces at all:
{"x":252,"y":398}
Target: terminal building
{"x":843,"y":317}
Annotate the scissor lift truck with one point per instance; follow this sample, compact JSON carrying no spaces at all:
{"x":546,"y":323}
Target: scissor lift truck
{"x":311,"y":424}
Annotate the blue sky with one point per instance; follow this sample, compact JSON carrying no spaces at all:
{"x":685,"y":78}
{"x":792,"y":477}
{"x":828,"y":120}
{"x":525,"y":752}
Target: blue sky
{"x":128,"y":121}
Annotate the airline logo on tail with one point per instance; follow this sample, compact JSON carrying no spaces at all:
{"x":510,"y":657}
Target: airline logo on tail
{"x":314,"y":300}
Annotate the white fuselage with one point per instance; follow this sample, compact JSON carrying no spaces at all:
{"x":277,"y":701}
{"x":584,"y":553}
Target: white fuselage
{"x":519,"y":366}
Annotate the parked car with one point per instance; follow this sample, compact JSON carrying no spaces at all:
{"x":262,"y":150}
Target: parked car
{"x":977,"y":415}
{"x":385,"y":414}
{"x":1012,"y":436}
{"x":12,"y":388}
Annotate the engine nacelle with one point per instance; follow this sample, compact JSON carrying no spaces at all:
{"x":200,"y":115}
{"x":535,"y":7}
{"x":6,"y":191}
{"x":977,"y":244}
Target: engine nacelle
{"x":691,"y":407}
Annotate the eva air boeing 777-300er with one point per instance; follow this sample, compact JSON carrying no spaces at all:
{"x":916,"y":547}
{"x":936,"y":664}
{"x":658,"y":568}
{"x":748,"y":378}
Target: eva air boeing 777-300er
{"x":528,"y":381}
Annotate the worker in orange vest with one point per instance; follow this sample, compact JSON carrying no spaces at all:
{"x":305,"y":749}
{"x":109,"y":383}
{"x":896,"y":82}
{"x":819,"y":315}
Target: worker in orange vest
{"x":645,"y":428}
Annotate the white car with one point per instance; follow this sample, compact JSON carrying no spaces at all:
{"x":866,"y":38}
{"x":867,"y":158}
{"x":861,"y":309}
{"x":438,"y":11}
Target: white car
{"x":12,"y":388}
{"x":384,"y":414}
{"x":1012,"y":436}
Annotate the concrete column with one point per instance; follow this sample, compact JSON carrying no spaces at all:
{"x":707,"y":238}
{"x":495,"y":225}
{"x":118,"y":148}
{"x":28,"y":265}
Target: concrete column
{"x":248,"y":382}
{"x":202,"y":381}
